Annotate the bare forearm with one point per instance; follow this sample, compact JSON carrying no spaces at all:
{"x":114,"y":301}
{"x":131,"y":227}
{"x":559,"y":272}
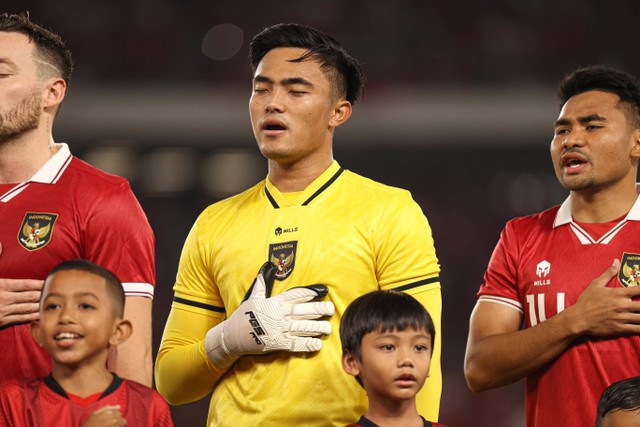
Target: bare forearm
{"x":132,"y":359}
{"x":503,"y":358}
{"x":499,"y":353}
{"x":133,"y":362}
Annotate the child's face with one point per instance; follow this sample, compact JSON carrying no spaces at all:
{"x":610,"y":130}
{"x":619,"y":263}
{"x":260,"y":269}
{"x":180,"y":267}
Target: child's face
{"x":77,"y":321}
{"x":395,"y":364}
{"x":622,"y":418}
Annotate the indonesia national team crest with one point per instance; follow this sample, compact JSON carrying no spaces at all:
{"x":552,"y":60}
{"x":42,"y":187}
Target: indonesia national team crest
{"x":36,"y":230}
{"x":283,"y":256}
{"x":629,"y":273}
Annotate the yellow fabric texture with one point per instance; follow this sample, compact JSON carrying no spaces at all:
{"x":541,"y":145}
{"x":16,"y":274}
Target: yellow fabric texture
{"x":355,"y":236}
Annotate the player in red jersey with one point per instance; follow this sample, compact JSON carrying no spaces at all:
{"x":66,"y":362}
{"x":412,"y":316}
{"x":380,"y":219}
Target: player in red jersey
{"x":55,"y":207}
{"x":81,"y":317}
{"x":556,"y":307}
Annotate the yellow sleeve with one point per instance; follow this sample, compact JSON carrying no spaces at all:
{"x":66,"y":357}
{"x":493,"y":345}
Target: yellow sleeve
{"x":183,"y":371}
{"x":428,"y":399}
{"x":404,"y":246}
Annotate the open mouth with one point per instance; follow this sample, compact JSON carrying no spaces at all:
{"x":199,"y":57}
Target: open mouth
{"x":273,"y":125}
{"x":573,"y":163}
{"x":406,"y":378}
{"x":67,"y":336}
{"x":573,"y":160}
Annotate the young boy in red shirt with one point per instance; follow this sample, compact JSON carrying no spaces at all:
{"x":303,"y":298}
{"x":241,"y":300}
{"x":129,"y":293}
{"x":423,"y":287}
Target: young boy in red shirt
{"x":81,"y":317}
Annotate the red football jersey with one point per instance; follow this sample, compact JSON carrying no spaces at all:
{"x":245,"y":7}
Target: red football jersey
{"x":540,"y":266}
{"x":41,"y":402}
{"x":69,"y":210}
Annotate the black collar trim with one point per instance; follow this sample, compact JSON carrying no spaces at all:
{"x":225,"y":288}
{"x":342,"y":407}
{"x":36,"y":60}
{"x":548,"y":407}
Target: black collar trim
{"x":313,"y":196}
{"x":271,"y":199}
{"x":57,"y":388}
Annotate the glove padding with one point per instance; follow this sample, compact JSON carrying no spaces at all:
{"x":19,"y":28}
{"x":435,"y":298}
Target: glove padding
{"x":282,"y":322}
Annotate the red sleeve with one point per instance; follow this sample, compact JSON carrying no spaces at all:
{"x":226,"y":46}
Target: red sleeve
{"x":117,"y":235}
{"x":500,"y":279}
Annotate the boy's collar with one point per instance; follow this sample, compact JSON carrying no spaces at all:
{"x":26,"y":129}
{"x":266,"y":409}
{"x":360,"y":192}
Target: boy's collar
{"x":57,"y":388}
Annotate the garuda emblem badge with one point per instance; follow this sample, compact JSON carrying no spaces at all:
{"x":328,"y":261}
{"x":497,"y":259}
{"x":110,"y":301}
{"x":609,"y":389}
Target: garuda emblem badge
{"x":629,"y":273}
{"x":283,"y":256}
{"x":36,"y":230}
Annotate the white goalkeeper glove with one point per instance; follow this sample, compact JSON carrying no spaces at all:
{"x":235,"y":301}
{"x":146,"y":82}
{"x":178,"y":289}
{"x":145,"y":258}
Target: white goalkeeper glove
{"x":263,"y":324}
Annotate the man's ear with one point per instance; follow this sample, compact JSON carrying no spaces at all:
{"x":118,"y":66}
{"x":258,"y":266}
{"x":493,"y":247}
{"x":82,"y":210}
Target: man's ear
{"x":36,"y":332}
{"x":635,"y":151}
{"x":341,"y":112}
{"x":55,"y":91}
{"x":350,"y":364}
{"x":121,"y":333}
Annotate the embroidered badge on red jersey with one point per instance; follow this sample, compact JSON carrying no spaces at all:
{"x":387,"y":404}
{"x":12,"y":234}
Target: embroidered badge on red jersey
{"x":36,"y":230}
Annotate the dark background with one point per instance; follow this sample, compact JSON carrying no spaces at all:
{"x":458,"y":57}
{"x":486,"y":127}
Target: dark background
{"x":458,"y":109}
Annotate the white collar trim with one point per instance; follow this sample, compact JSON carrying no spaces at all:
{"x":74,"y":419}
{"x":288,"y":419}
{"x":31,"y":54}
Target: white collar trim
{"x":49,"y":173}
{"x":563,"y":216}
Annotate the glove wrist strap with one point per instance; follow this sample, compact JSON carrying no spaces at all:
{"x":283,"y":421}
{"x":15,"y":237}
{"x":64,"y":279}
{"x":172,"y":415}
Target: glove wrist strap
{"x":215,"y":348}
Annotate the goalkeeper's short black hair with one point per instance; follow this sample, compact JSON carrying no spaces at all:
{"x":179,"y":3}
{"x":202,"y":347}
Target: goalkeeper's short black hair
{"x":382,"y":311}
{"x":343,"y":70}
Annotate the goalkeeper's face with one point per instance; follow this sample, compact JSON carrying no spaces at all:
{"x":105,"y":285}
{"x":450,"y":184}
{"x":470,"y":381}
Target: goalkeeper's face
{"x":293,"y":108}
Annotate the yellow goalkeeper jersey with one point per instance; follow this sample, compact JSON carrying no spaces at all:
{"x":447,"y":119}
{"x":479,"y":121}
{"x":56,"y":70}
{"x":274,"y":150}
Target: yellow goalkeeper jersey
{"x":350,"y":233}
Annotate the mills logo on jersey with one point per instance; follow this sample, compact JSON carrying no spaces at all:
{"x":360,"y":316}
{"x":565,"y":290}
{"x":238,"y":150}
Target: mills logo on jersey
{"x":629,"y":273}
{"x":283,"y":256}
{"x":36,"y":230}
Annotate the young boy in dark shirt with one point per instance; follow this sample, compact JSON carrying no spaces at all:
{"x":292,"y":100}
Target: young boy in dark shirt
{"x":387,"y":342}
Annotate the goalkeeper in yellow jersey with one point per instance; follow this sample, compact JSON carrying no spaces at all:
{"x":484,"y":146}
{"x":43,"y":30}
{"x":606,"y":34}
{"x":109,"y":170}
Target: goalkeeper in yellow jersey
{"x":267,"y":347}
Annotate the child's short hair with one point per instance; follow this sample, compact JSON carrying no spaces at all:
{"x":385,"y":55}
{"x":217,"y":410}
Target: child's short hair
{"x":382,"y":311}
{"x":622,"y":395}
{"x":114,"y":286}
